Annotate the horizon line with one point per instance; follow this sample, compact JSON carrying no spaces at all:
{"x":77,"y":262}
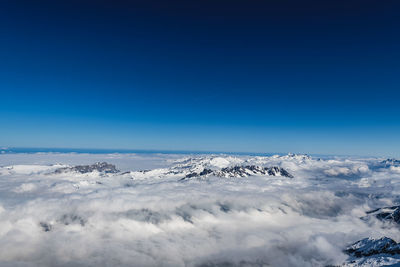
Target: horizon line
{"x":10,"y":149}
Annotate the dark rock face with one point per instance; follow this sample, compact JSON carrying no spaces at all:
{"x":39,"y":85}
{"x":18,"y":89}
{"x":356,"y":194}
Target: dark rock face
{"x":98,"y":166}
{"x":242,"y":171}
{"x":390,"y":214}
{"x":369,"y":246}
{"x":245,"y":171}
{"x":205,"y":172}
{"x":275,"y":171}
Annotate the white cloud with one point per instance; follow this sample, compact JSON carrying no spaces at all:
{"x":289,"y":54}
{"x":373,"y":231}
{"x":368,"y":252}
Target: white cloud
{"x":111,"y":220}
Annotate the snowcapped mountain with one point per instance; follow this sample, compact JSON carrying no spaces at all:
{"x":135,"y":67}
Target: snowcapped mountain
{"x":224,"y":167}
{"x":369,"y":246}
{"x":241,"y":171}
{"x":98,"y":166}
{"x":374,"y":252}
{"x":377,"y":252}
{"x":386,"y":214}
{"x":189,"y":167}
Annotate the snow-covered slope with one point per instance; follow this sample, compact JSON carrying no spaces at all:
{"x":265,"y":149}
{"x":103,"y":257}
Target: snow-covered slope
{"x":96,"y":167}
{"x":386,"y":214}
{"x":241,"y":171}
{"x":224,"y":167}
{"x":374,"y":252}
{"x":370,"y":246}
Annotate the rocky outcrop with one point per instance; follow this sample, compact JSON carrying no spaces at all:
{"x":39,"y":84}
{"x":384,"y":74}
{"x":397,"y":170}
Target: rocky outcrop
{"x":241,"y":171}
{"x":103,"y":167}
{"x":387,"y":214}
{"x":369,"y":246}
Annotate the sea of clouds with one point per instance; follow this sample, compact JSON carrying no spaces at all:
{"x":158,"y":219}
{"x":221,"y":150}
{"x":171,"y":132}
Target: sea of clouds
{"x":153,"y":218}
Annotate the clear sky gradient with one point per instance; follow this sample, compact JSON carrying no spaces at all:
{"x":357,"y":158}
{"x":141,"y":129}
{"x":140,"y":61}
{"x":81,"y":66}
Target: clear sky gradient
{"x":255,"y":76}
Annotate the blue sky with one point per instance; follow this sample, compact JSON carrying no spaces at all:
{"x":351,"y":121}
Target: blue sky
{"x":256,"y":76}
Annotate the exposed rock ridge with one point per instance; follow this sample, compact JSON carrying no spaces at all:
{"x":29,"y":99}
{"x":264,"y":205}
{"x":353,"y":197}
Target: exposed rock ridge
{"x":103,"y":167}
{"x":241,"y":171}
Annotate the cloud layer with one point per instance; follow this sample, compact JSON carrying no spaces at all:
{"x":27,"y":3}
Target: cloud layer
{"x":152,"y":219}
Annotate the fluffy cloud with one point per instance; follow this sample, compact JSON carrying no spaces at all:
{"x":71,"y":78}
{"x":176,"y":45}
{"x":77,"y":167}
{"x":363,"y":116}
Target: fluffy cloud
{"x":127,"y":219}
